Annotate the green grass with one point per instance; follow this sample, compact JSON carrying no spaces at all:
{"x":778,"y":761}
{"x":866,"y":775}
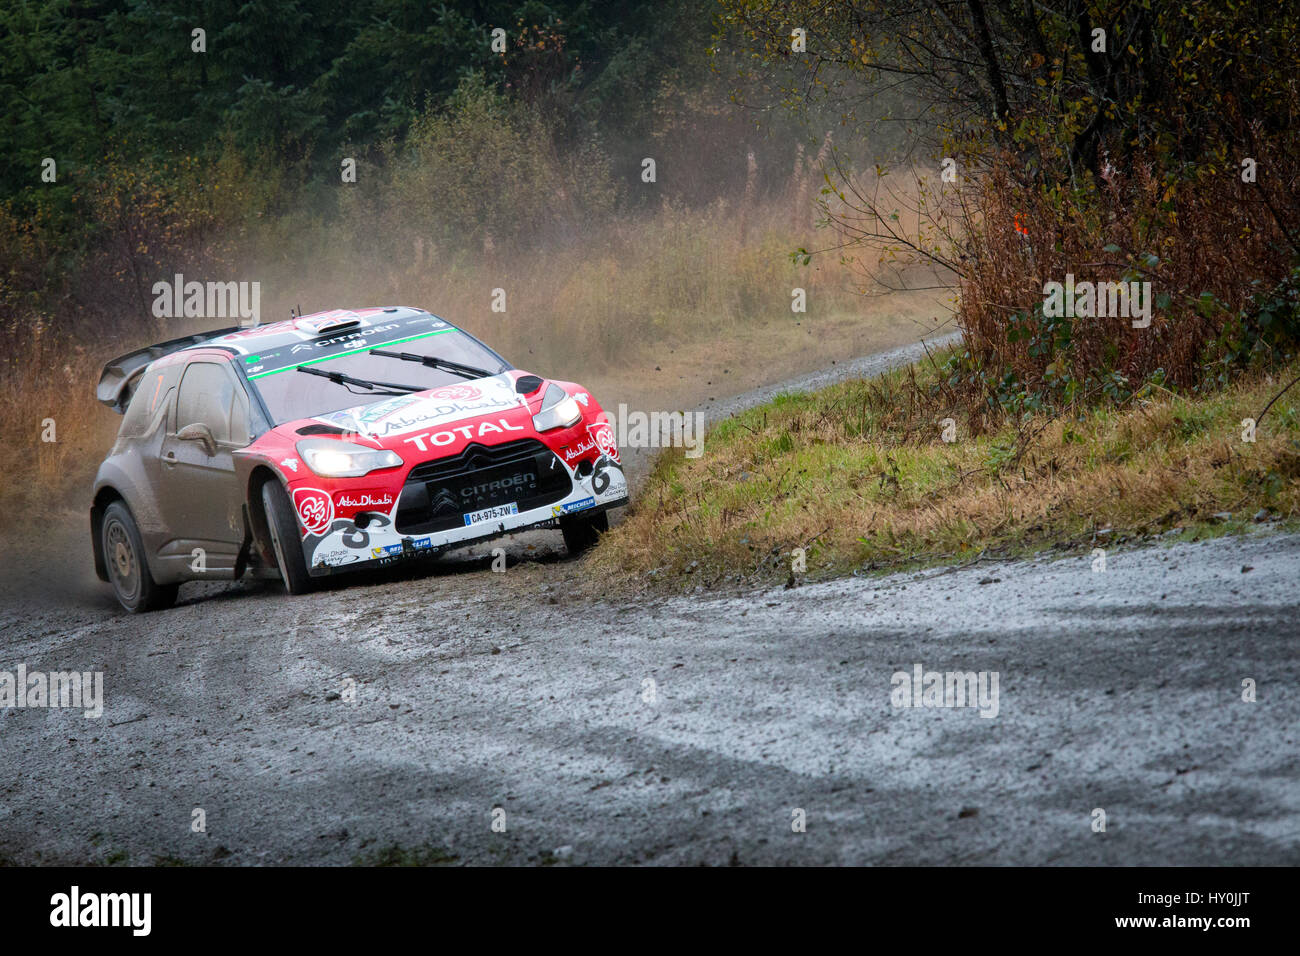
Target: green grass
{"x":859,"y":477}
{"x":394,"y":855}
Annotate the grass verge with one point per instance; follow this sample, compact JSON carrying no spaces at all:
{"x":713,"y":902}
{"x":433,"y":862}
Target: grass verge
{"x":859,"y":476}
{"x":394,"y":855}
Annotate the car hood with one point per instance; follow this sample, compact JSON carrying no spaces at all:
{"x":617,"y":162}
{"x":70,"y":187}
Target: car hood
{"x":396,"y":421}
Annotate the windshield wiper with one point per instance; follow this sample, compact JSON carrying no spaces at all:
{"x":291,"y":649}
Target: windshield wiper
{"x":338,"y":378}
{"x":429,"y":361}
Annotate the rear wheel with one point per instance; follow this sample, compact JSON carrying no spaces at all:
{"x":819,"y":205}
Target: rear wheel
{"x":134,"y":586}
{"x":285,"y":539}
{"x":581,"y":534}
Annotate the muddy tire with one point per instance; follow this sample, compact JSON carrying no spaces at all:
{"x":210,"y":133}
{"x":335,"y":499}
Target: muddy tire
{"x":286,"y":540}
{"x":124,"y":560}
{"x":580,"y":534}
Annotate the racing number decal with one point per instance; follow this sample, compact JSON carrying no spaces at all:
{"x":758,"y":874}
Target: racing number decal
{"x":599,"y":477}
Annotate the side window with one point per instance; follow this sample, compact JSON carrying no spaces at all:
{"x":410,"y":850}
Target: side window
{"x":149,"y":401}
{"x":207,"y":396}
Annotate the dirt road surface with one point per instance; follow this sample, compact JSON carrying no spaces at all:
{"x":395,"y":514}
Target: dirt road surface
{"x":402,"y":717}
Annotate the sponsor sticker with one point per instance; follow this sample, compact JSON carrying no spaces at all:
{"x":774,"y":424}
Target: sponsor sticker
{"x":603,"y":435}
{"x":406,"y":544}
{"x":426,"y":410}
{"x":572,"y":452}
{"x":447,"y":437}
{"x":335,"y":556}
{"x":573,"y":506}
{"x":364,"y":499}
{"x":315,"y":510}
{"x":607,"y":479}
{"x":491,"y":514}
{"x":457,"y":393}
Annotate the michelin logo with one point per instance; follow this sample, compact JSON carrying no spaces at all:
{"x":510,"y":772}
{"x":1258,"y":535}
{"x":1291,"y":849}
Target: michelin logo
{"x":388,"y":550}
{"x":557,"y":510}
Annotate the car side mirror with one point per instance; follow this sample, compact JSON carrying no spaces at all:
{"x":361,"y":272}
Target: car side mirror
{"x":201,"y":433}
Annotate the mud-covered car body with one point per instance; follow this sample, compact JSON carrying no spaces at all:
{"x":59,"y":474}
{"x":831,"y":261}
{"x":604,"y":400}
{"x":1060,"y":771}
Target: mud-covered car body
{"x":392,"y":433}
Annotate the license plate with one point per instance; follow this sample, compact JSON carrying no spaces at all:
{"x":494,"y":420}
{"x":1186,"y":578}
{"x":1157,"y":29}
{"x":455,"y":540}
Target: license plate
{"x":492,"y":514}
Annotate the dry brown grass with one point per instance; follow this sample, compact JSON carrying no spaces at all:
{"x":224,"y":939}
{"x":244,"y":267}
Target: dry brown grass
{"x":604,"y":309}
{"x":51,"y":384}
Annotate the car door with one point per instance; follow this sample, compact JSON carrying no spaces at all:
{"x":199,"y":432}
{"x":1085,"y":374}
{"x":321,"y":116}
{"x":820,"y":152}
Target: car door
{"x":199,"y":493}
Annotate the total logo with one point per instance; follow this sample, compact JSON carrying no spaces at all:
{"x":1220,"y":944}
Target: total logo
{"x":364,"y":499}
{"x":315,"y":510}
{"x":437,"y":439}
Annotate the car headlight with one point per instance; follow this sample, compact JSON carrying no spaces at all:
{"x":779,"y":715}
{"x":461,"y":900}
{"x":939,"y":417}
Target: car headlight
{"x":559,"y":410}
{"x":343,"y":459}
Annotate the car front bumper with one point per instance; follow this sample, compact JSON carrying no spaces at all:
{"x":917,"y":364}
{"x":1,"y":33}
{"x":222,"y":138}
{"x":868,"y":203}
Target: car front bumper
{"x":375,"y":541}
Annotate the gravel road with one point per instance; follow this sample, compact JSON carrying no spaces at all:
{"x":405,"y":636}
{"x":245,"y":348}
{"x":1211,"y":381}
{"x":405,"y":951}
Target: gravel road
{"x":406,"y":716}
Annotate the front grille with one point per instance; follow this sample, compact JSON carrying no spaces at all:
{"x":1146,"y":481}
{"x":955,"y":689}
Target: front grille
{"x":437,"y":494}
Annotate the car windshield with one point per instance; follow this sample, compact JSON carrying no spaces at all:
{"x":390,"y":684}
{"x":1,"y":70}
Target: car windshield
{"x":290,"y":396}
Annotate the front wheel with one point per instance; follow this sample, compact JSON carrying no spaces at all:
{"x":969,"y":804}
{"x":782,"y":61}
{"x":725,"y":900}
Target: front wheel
{"x":285,"y":539}
{"x":580,"y":534}
{"x":134,"y":586}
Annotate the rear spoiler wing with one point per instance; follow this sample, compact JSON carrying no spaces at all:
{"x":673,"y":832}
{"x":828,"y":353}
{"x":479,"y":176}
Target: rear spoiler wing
{"x":115,"y":382}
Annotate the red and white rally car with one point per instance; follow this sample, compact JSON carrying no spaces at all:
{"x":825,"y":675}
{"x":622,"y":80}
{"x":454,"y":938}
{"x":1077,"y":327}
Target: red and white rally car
{"x":336,"y":441}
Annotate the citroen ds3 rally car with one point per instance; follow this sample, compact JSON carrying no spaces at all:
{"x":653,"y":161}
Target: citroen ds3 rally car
{"x":331,"y":442}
